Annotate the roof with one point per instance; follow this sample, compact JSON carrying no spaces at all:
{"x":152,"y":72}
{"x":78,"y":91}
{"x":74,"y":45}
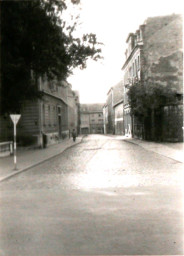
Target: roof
{"x":92,"y":107}
{"x":118,"y":93}
{"x":129,"y":35}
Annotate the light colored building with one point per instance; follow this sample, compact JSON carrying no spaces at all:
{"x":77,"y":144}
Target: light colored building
{"x":132,"y":72}
{"x":113,"y":110}
{"x":91,"y":116}
{"x":105,"y":118}
{"x":110,"y":112}
{"x":118,"y":105}
{"x":73,"y":109}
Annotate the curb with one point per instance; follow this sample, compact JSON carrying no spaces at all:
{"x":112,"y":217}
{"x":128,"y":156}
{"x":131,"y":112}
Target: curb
{"x":34,"y":165}
{"x":132,"y":142}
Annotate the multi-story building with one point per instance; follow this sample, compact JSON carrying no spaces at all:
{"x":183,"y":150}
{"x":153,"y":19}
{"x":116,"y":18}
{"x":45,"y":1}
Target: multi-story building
{"x":52,"y":115}
{"x":118,"y":106}
{"x":73,"y":110}
{"x":154,"y":56}
{"x":132,"y":71}
{"x":110,"y":128}
{"x":113,"y":110}
{"x":91,"y":116}
{"x":105,"y":118}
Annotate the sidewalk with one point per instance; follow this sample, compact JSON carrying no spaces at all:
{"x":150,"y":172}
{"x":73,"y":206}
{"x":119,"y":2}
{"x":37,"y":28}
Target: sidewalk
{"x":174,"y":151}
{"x":32,"y":157}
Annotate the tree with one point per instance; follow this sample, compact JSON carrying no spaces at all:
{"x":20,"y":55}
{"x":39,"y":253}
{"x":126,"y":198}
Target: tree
{"x":143,"y":98}
{"x":35,"y":40}
{"x":146,"y":103}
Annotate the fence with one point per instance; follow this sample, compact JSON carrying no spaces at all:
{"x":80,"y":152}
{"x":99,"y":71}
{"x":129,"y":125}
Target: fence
{"x":6,"y":148}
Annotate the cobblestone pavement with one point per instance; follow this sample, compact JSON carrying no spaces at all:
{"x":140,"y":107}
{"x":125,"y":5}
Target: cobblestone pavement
{"x":104,"y":196}
{"x":27,"y":158}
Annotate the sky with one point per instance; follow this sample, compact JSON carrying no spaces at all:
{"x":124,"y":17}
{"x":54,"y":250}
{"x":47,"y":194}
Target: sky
{"x":112,"y":21}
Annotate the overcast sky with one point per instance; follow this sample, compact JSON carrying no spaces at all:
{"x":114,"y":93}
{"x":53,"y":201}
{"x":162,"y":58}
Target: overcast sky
{"x":112,"y":21}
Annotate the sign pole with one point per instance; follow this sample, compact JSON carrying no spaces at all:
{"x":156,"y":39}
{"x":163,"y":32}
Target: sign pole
{"x":15,"y":119}
{"x":15,"y":148}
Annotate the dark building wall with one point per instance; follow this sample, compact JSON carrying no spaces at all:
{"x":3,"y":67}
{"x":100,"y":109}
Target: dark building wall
{"x":50,"y":111}
{"x":172,"y":123}
{"x":163,"y":58}
{"x":161,"y":63}
{"x":163,"y":49}
{"x":29,"y":121}
{"x":27,"y":125}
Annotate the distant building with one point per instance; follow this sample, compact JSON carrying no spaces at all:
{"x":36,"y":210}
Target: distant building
{"x":154,"y":55}
{"x":91,"y":116}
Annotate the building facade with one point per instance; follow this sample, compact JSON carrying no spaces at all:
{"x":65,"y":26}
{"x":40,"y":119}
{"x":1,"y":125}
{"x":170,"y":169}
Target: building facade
{"x":154,"y":56}
{"x":110,"y":127}
{"x":91,"y":116}
{"x":52,"y":115}
{"x":118,"y":106}
{"x":105,"y":118}
{"x":132,"y":71}
{"x":113,"y":110}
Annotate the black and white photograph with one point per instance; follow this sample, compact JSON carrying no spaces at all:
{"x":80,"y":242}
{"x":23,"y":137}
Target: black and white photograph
{"x":91,"y":128}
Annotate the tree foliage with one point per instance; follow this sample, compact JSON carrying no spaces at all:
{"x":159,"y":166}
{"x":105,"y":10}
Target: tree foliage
{"x":34,"y":37}
{"x":148,"y":97}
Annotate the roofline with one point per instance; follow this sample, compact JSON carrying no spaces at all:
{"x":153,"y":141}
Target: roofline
{"x":91,"y":112}
{"x":129,"y":35}
{"x":56,"y":97}
{"x":110,"y":90}
{"x":119,"y":102}
{"x":130,"y":56}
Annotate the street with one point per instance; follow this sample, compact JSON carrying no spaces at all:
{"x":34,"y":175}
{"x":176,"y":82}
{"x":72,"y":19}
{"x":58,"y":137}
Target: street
{"x":103,"y":196}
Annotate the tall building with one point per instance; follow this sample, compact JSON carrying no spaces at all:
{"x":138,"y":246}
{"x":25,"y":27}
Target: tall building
{"x":154,"y":56}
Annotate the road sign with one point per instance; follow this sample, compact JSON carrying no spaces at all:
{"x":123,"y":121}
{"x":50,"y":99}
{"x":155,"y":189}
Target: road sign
{"x":15,"y":118}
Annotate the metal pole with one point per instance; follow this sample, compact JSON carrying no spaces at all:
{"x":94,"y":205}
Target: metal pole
{"x":15,"y":148}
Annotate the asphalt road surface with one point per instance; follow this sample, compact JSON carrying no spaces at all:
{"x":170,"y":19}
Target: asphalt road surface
{"x":104,"y":196}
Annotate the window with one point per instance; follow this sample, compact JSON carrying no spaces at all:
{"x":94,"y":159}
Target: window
{"x":130,"y":72}
{"x":99,"y":115}
{"x":135,"y":67}
{"x":54,"y":116}
{"x":133,"y":70}
{"x":49,"y":114}
{"x":138,"y":62}
{"x":43,"y":114}
{"x":59,"y":110}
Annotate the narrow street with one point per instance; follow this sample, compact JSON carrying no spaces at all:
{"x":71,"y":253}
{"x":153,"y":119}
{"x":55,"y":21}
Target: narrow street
{"x":104,"y":196}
